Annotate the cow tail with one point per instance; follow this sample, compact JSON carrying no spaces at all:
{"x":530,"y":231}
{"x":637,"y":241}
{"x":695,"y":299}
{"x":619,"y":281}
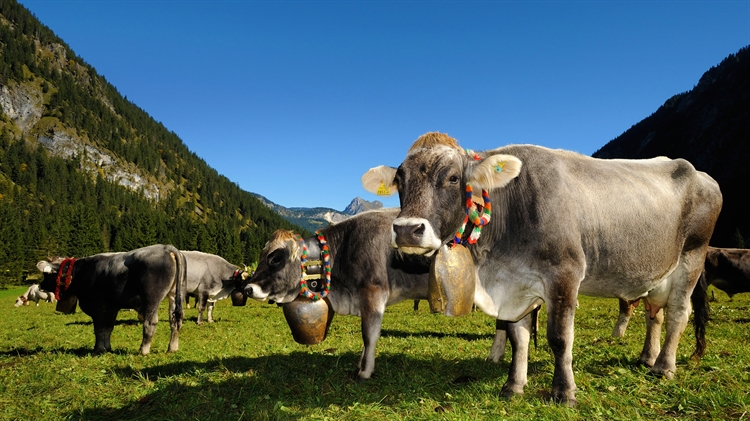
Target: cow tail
{"x":699,"y":299}
{"x":181,"y":286}
{"x":535,"y":324}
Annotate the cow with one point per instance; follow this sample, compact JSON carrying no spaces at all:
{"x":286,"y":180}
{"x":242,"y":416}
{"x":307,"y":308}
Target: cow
{"x":108,"y":282}
{"x":728,"y":269}
{"x":33,"y":293}
{"x":553,"y":224}
{"x":367,"y":275}
{"x":210,"y":278}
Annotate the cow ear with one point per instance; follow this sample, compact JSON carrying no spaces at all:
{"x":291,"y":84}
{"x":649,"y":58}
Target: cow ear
{"x":44,"y":266}
{"x":379,"y":180}
{"x":495,"y":171}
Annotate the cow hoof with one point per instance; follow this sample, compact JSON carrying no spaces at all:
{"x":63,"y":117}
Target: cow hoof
{"x":646,"y":362}
{"x":662,"y":373}
{"x":510,"y":390}
{"x":564,"y":398}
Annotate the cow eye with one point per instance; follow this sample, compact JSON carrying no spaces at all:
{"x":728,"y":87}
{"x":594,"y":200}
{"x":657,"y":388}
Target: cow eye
{"x":453,"y":179}
{"x":276,"y":258}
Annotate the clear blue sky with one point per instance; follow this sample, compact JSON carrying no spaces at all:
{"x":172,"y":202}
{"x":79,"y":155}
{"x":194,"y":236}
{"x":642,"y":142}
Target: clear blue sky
{"x":295,"y":100}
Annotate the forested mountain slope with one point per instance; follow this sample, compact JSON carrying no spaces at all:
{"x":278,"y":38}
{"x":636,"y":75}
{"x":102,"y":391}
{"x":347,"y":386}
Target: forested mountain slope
{"x":83,"y":170}
{"x":710,"y":127}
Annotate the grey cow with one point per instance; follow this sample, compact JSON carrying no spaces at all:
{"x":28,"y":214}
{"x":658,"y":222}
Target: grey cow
{"x":367,"y":275}
{"x":561,"y":224}
{"x":33,"y":293}
{"x":210,"y":278}
{"x":106,"y":283}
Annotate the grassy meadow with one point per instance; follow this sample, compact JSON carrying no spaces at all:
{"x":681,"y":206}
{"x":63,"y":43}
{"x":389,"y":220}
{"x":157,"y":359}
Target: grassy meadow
{"x":246,"y":366}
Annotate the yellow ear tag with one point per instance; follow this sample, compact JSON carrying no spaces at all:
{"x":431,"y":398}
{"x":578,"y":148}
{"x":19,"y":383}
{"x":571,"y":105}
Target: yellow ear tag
{"x":500,"y":166}
{"x":383,"y":190}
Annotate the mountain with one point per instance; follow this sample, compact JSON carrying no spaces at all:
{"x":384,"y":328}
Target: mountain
{"x":359,"y":205}
{"x":84,"y":170}
{"x":314,"y":219}
{"x":710,"y":127}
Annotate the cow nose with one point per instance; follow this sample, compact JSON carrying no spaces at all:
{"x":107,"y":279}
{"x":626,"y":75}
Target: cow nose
{"x":408,"y":234}
{"x":248,"y":291}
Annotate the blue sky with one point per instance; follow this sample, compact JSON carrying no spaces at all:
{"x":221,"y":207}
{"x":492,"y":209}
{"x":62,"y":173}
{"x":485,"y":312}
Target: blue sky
{"x":295,"y":100}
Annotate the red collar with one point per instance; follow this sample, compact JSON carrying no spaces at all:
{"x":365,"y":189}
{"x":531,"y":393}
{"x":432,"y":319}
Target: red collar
{"x":66,"y":266}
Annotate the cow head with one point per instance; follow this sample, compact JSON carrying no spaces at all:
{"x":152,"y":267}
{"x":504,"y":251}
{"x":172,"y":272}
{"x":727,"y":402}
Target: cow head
{"x":431,"y":183}
{"x":238,"y":282}
{"x":49,"y":274}
{"x":21,"y":301}
{"x":279,"y":269}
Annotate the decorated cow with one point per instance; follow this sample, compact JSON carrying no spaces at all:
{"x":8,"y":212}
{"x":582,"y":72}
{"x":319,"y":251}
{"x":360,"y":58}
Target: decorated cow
{"x":105,"y":283}
{"x":350,"y":268}
{"x":552,"y":224}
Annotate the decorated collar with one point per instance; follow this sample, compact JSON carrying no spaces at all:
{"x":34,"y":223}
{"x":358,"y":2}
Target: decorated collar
{"x":317,"y":255}
{"x":64,"y":276}
{"x":477,"y":214}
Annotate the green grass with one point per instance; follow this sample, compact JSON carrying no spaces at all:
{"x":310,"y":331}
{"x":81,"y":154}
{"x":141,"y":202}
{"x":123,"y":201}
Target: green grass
{"x":246,"y":366}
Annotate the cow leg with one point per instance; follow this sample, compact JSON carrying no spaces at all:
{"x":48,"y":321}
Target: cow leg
{"x":561,"y":307}
{"x":103,"y":325}
{"x":626,"y":310}
{"x":519,"y":334}
{"x":497,"y":352}
{"x":678,"y":313}
{"x":211,"y":311}
{"x":200,"y":303}
{"x":652,"y":346}
{"x":372,"y":322}
{"x":150,"y":320}
{"x":174,"y":325}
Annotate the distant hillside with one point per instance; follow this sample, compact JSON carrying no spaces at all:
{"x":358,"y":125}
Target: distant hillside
{"x":710,"y":127}
{"x":314,"y":219}
{"x":84,"y":170}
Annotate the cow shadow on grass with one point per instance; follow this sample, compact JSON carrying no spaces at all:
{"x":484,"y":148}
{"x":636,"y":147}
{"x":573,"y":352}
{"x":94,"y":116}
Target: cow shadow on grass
{"x":79,"y":352}
{"x":464,"y":336}
{"x":297,"y":385}
{"x":91,"y":322}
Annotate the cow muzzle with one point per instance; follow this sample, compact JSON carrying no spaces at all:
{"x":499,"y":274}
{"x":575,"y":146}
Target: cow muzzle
{"x":255,"y":292}
{"x":414,"y":236}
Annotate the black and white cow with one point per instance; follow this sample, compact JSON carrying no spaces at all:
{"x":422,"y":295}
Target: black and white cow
{"x":728,"y":269}
{"x":367,"y":275}
{"x":105,"y":283}
{"x":561,"y":224}
{"x":33,"y":293}
{"x":210,"y":278}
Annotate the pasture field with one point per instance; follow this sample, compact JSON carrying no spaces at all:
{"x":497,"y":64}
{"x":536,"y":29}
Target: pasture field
{"x":246,"y":366}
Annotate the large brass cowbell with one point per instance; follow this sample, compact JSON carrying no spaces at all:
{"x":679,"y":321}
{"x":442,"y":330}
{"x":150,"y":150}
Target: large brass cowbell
{"x":308,"y":319}
{"x":451,"y":283}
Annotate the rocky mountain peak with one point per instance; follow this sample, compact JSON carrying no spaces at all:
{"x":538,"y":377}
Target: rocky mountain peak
{"x":359,"y":205}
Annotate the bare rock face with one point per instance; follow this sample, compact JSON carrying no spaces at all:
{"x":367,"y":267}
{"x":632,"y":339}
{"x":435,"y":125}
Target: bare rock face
{"x":22,"y":104}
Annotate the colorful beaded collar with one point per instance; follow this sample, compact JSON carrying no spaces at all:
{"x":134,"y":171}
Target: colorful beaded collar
{"x":326,"y":275}
{"x":472,"y":212}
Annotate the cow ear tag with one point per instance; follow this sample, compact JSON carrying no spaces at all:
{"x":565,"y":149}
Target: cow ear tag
{"x":450,"y":288}
{"x":383,"y":190}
